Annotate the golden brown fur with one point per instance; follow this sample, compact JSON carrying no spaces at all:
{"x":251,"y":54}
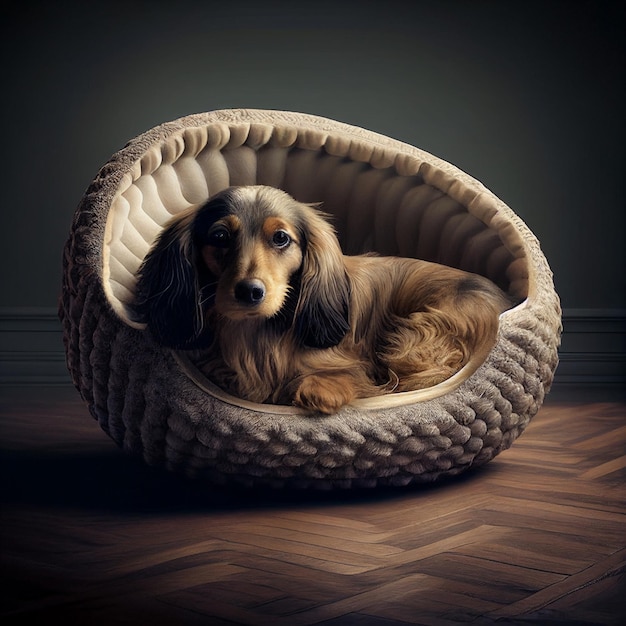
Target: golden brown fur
{"x":258,"y":282}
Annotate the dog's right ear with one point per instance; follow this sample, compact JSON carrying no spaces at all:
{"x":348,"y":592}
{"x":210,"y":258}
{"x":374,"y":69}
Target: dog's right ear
{"x":169,"y":296}
{"x":322,"y":316}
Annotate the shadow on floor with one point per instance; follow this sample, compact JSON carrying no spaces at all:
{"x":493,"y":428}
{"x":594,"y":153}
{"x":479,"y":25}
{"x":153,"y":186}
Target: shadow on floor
{"x":114,"y":482}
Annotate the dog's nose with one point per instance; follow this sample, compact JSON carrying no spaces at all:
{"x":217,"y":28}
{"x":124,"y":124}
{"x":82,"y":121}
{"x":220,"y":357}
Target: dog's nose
{"x":250,"y":292}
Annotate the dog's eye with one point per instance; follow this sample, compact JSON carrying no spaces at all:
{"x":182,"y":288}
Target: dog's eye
{"x":281,"y":239}
{"x":219,"y":237}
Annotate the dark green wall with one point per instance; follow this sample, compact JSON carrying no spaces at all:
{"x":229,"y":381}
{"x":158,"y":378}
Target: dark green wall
{"x":528,"y":97}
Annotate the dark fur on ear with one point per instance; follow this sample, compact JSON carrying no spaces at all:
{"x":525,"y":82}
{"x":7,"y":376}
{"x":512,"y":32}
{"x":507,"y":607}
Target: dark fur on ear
{"x":174,"y":289}
{"x":323,"y":309}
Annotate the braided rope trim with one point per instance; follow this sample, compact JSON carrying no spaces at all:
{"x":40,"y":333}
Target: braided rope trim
{"x":148,"y":406}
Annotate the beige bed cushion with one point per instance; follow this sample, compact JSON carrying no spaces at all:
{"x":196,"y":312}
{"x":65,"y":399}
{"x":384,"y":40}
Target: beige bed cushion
{"x":392,"y":204}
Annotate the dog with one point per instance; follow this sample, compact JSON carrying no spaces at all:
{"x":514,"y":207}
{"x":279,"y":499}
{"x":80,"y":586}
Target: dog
{"x":256,"y":282}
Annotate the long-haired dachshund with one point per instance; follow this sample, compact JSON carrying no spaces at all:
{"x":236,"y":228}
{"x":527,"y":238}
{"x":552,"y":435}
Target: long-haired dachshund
{"x":258,"y":282}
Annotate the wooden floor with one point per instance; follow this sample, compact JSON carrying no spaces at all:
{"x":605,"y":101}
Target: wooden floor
{"x":90,"y":536}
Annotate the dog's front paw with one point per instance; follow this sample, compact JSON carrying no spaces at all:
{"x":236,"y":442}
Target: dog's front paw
{"x":324,"y":394}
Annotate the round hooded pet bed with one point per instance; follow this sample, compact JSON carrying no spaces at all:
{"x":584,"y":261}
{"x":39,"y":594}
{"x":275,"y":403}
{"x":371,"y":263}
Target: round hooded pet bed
{"x":385,"y":197}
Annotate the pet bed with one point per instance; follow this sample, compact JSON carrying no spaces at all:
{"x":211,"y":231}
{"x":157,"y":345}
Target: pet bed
{"x":385,"y":196}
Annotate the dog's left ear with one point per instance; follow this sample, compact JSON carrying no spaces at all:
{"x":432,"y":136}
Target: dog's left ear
{"x":323,"y":310}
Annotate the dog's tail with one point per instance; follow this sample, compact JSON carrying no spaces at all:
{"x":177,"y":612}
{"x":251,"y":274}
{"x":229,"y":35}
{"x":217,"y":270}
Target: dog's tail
{"x":429,"y":346}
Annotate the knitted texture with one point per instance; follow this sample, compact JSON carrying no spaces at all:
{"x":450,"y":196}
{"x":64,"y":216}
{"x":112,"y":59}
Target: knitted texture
{"x":150,"y":405}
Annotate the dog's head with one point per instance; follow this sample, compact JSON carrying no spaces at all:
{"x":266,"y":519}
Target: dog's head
{"x":248,"y":253}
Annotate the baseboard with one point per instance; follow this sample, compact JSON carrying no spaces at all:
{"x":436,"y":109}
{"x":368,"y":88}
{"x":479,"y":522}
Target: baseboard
{"x":31,"y":347}
{"x":593,"y":349}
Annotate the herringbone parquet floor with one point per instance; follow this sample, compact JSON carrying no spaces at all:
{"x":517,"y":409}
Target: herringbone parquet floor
{"x":90,"y":536}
